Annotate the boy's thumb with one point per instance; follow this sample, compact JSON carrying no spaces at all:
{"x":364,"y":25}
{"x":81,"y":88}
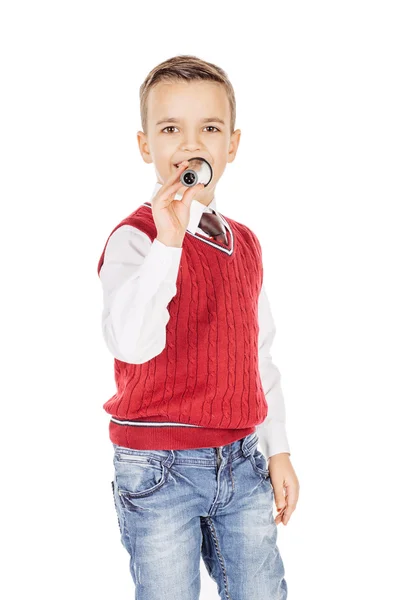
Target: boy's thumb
{"x":279,"y":500}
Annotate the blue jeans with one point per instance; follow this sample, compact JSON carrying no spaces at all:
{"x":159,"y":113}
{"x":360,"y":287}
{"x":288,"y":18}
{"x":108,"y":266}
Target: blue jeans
{"x":175,"y":505}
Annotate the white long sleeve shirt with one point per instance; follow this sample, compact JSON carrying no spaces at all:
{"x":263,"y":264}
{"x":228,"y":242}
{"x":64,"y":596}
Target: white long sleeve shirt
{"x":138,"y":278}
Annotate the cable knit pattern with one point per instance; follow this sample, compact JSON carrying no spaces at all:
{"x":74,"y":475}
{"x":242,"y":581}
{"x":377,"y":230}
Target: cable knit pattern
{"x":191,"y":341}
{"x":211,"y":341}
{"x":204,"y":388}
{"x":254,"y":349}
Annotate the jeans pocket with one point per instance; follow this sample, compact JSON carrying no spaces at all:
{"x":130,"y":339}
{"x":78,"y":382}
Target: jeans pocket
{"x":116,"y":508}
{"x":259,"y":464}
{"x":138,"y":474}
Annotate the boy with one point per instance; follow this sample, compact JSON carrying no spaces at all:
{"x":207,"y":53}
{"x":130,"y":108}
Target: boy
{"x":188,"y":323}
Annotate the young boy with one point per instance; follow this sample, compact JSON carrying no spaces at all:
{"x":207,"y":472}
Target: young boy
{"x":188,"y":322}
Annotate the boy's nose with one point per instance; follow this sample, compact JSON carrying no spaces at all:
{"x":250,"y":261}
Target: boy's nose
{"x":191,"y":142}
{"x":191,"y":147}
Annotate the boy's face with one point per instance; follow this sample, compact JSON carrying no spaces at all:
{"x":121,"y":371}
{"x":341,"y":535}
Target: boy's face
{"x":169,"y":142}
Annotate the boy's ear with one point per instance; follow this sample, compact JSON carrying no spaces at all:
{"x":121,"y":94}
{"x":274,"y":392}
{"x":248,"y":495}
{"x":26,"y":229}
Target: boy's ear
{"x":234,"y":145}
{"x":144,"y":147}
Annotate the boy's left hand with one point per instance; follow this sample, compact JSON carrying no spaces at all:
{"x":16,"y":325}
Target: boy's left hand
{"x":283,"y":479}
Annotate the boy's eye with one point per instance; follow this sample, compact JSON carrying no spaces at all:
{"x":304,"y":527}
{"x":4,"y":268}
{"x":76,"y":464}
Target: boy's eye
{"x":208,"y":127}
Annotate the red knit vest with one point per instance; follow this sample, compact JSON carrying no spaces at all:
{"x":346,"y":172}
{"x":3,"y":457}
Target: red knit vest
{"x":204,"y":389}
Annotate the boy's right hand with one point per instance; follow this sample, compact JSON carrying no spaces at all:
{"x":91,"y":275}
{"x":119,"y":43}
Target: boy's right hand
{"x":172,"y":216}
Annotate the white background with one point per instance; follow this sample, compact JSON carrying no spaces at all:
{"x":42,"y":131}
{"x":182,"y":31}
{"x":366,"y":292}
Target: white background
{"x":316,"y":177}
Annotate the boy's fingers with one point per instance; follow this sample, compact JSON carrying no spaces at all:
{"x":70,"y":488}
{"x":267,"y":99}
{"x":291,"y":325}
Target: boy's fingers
{"x":280,"y":500}
{"x":188,"y":195}
{"x":171,"y":185}
{"x":291,"y":501}
{"x":178,"y":171}
{"x":286,"y":515}
{"x":169,"y":192}
{"x":286,"y":504}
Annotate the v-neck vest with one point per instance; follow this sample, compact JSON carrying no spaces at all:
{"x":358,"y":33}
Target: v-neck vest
{"x":204,"y":389}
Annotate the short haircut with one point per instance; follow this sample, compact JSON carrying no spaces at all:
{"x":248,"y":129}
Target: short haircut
{"x":185,"y":68}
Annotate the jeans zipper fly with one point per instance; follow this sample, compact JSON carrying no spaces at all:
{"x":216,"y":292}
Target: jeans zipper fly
{"x":219,"y":456}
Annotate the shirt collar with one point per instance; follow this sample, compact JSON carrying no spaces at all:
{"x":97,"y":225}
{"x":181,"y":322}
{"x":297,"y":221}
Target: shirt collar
{"x":196,"y":208}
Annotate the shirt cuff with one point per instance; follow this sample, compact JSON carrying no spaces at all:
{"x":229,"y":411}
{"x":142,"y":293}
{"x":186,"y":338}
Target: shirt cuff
{"x":272,"y":438}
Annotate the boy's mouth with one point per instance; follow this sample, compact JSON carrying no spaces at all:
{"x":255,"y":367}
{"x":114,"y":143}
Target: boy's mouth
{"x":177,"y":165}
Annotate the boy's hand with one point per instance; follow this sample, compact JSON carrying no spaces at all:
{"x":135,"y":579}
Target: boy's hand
{"x":172,"y":216}
{"x":283,"y":478}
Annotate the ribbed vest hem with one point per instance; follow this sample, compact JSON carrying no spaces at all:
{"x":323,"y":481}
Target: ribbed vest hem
{"x":172,"y":437}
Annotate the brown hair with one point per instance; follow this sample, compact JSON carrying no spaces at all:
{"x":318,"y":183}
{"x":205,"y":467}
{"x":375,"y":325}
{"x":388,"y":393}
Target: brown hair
{"x":187,"y":68}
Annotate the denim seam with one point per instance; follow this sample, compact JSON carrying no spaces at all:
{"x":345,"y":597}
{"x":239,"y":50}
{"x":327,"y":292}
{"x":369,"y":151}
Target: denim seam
{"x":120,"y":514}
{"x":125,"y":532}
{"x":115,"y":505}
{"x":211,"y":527}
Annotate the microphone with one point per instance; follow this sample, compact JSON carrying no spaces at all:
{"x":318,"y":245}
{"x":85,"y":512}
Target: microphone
{"x":199,"y":171}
